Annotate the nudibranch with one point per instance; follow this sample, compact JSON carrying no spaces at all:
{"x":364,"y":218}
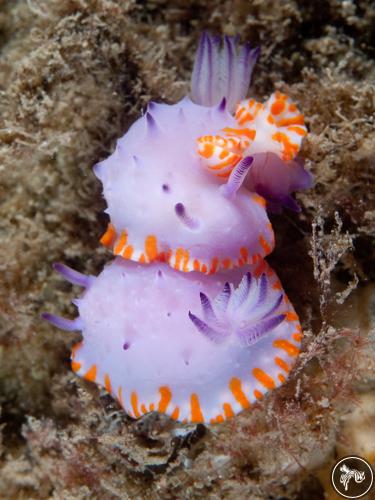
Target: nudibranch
{"x":164,"y":206}
{"x":198,"y":348}
{"x":189,"y":319}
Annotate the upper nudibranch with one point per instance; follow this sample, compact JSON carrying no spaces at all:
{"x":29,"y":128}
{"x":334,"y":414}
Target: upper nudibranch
{"x":164,"y":206}
{"x":198,"y":348}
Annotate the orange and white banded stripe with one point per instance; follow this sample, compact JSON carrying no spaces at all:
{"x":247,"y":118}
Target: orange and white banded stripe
{"x":247,"y":111}
{"x":277,"y":125}
{"x":284,"y":114}
{"x":221,"y":154}
{"x":181,"y":258}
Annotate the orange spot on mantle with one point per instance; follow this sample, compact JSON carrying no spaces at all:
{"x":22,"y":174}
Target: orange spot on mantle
{"x":262,"y":377}
{"x":109,"y":236}
{"x":196,"y":412}
{"x":165,"y":398}
{"x":282,"y":364}
{"x":278,"y":107}
{"x":151,"y":247}
{"x":289,"y":348}
{"x":228,"y":410}
{"x":107,"y":383}
{"x":134,"y":403}
{"x":238,"y":394}
{"x":90,"y":375}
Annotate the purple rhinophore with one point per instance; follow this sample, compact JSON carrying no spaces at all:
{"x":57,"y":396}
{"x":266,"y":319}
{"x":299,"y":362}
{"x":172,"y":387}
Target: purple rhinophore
{"x":71,"y":275}
{"x":63,"y":323}
{"x":189,"y":221}
{"x":237,"y":176}
{"x":222,"y":70}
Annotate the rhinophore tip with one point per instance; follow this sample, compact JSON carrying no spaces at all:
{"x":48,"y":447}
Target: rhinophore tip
{"x":71,"y":275}
{"x":186,"y":219}
{"x":63,"y":323}
{"x":151,"y":122}
{"x":237,"y":177}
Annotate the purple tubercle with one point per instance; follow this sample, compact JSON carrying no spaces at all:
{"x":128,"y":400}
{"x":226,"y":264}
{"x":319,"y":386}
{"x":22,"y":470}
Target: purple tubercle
{"x":223,"y":104}
{"x":222,"y":70}
{"x":237,"y":176}
{"x":151,"y":106}
{"x":275,"y":204}
{"x":185,"y":218}
{"x":63,"y":323}
{"x":151,"y":123}
{"x":71,"y":275}
{"x":137,"y":160}
{"x":290,"y":203}
{"x":126,"y":346}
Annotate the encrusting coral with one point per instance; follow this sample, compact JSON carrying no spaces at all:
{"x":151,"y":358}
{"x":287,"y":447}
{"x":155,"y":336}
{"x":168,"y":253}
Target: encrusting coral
{"x":74,"y":75}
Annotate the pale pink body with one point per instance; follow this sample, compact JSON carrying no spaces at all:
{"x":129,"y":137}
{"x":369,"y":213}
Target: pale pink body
{"x":140,"y":343}
{"x":189,"y":319}
{"x":154,"y":168}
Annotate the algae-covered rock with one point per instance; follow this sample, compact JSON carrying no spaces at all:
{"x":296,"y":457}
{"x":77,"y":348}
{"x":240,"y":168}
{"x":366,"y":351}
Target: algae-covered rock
{"x":73,"y":76}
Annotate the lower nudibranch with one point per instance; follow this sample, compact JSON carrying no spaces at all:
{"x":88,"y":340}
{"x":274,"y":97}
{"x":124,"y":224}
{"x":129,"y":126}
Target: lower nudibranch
{"x":197,"y":348}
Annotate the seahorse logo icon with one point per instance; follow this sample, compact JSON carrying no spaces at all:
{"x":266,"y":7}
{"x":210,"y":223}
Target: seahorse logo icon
{"x":352,"y":477}
{"x":348,"y":474}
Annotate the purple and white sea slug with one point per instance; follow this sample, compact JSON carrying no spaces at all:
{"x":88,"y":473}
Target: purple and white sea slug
{"x":164,"y":203}
{"x":189,"y":319}
{"x":164,"y":206}
{"x":198,"y":348}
